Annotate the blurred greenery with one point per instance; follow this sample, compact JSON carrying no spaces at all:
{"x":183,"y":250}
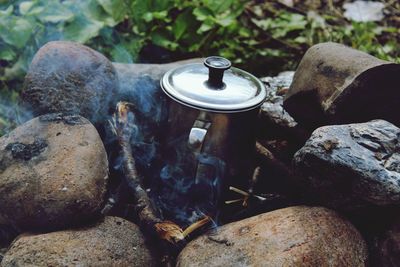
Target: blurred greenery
{"x":263,"y":37}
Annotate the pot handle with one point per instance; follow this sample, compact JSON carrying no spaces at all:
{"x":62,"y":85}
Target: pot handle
{"x":198,"y":132}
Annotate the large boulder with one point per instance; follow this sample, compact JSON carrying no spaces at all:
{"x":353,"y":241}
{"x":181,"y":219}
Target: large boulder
{"x":70,"y":78}
{"x":112,"y":242}
{"x":337,"y":84}
{"x":294,"y":236}
{"x":53,"y":173}
{"x":354,"y":165}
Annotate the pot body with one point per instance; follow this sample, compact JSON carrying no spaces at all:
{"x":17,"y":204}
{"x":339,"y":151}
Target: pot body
{"x":216,"y":149}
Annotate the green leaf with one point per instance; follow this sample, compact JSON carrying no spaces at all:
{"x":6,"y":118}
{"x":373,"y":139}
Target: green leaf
{"x":82,"y":30}
{"x":162,"y":38}
{"x":161,"y":15}
{"x":183,"y":23}
{"x":202,"y":13}
{"x":56,"y":14}
{"x":16,"y":31}
{"x":116,"y":8}
{"x":120,"y":54}
{"x":93,"y":11}
{"x":219,"y":6}
{"x":17,"y":70}
{"x":24,"y":7}
{"x":148,"y":16}
{"x":7,"y":12}
{"x":207,"y":25}
{"x":225,"y":21}
{"x":7,"y":53}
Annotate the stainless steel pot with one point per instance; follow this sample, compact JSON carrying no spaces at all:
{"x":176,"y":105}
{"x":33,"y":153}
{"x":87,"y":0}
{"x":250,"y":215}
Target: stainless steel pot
{"x":214,"y":107}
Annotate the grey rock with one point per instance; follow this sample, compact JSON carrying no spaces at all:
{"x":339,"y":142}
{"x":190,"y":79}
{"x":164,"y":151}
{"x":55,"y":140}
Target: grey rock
{"x":335,"y":84}
{"x":53,"y":173}
{"x":279,"y":131}
{"x":272,"y":110}
{"x":293,"y":236}
{"x":70,"y":78}
{"x":112,"y":242}
{"x":349,"y":166}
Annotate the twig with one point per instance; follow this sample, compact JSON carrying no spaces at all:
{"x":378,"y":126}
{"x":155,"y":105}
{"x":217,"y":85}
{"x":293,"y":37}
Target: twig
{"x":123,"y":120}
{"x":149,"y":217}
{"x":193,"y":227}
{"x":254,"y":179}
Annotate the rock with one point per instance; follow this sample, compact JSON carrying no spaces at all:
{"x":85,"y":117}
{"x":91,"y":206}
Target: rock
{"x":282,"y":134}
{"x":387,"y":247}
{"x":272,"y":112}
{"x":347,"y":86}
{"x":2,"y":253}
{"x":112,"y":242}
{"x":70,"y":78}
{"x":53,"y":173}
{"x":352,"y":165}
{"x":294,"y":236}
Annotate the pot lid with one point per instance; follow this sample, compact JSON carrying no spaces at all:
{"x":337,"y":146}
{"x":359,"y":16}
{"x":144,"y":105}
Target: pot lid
{"x":214,"y":86}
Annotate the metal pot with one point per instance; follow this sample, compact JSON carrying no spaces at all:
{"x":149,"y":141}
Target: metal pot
{"x":213,"y":108}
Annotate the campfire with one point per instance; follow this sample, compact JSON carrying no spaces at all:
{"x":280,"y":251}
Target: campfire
{"x":204,"y":158}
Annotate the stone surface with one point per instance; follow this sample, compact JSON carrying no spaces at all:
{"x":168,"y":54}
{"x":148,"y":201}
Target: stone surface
{"x":337,"y":84}
{"x":279,"y":131}
{"x":113,"y":242}
{"x":386,"y":251}
{"x":272,"y":112}
{"x":2,"y":253}
{"x":294,"y":236}
{"x":72,"y":78}
{"x":352,"y":165}
{"x":53,"y":173}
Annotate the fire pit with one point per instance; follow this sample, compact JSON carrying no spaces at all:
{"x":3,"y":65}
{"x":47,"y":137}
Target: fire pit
{"x":193,"y":159}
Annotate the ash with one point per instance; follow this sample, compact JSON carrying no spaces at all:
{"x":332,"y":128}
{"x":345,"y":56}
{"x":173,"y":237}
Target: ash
{"x":68,"y":119}
{"x":27,"y":151}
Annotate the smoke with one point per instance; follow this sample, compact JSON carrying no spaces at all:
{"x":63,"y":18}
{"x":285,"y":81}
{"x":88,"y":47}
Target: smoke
{"x":183,"y":184}
{"x":12,"y":115}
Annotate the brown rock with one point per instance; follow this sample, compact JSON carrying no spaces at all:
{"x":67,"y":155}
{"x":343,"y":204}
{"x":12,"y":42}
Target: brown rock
{"x":294,"y":236}
{"x":113,"y":242}
{"x":53,"y":172}
{"x":347,"y":86}
{"x":71,"y":78}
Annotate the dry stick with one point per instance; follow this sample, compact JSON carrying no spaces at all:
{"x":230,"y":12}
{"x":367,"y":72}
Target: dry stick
{"x":146,"y":212}
{"x":193,"y":227}
{"x":148,"y":215}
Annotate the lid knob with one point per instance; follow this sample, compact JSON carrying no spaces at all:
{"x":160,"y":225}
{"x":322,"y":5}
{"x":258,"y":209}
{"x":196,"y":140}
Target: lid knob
{"x":216,"y":67}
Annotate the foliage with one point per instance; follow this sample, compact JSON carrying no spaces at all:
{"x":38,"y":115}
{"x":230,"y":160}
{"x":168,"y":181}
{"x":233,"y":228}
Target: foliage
{"x":261,"y":37}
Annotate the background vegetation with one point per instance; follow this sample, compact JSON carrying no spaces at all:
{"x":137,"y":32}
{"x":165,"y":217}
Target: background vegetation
{"x":263,"y":37}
